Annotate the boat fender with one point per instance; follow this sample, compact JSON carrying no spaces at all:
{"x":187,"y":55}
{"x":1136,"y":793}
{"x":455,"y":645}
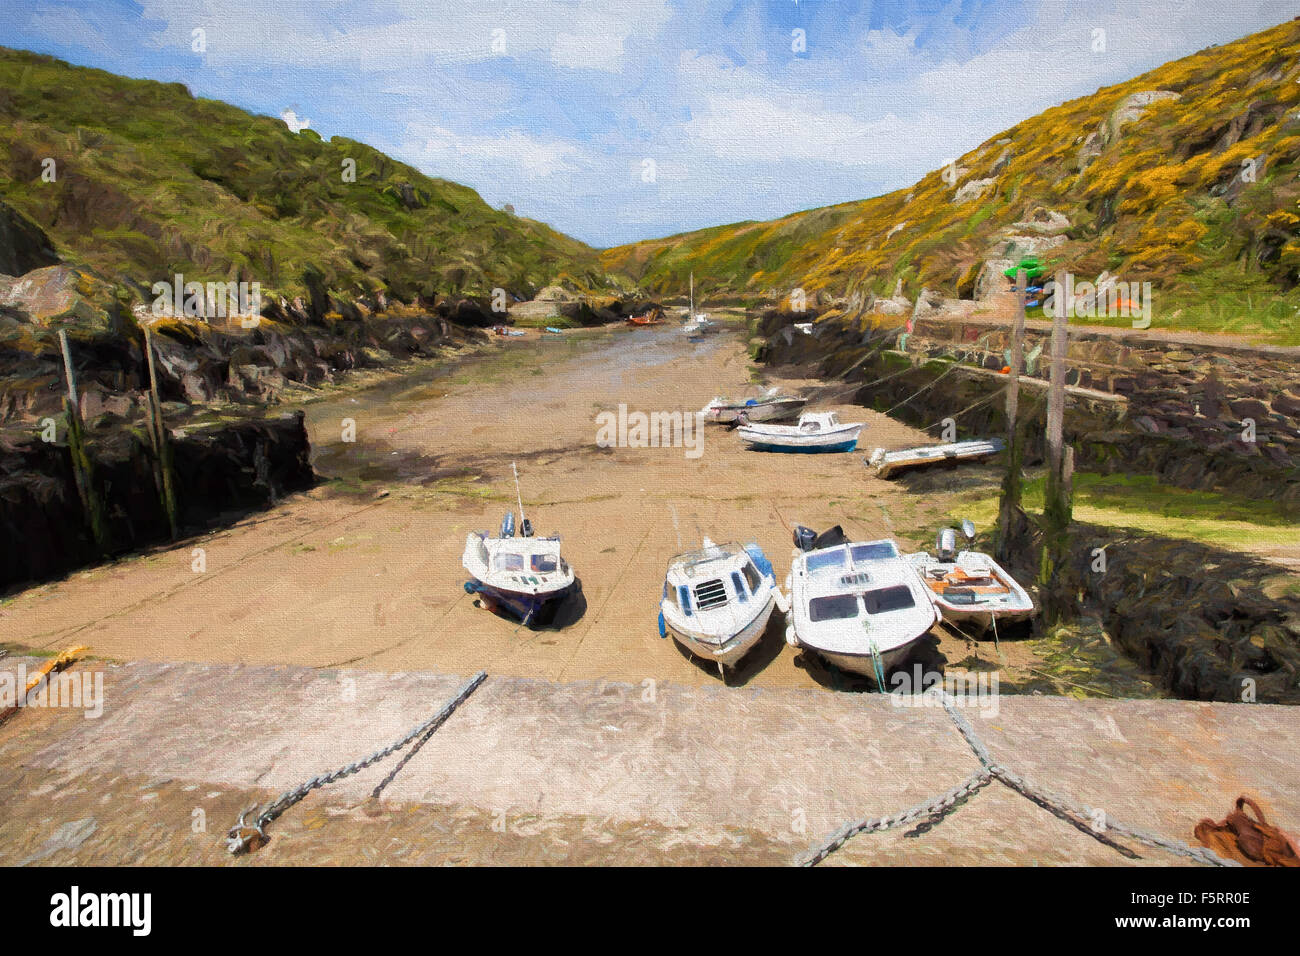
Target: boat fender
{"x":471,"y":587}
{"x":525,"y":528}
{"x":663,"y":628}
{"x":508,"y":525}
{"x":789,"y":636}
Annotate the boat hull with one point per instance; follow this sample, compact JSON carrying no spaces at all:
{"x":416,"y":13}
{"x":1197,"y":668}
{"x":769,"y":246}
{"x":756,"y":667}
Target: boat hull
{"x":982,"y":617}
{"x":862,"y":664}
{"x":803,"y":449}
{"x":731,"y":650}
{"x":533,"y":609}
{"x":758,"y":412}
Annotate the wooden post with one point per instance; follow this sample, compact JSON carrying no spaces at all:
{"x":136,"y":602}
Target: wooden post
{"x":161,"y":446}
{"x":83,"y":472}
{"x":1057,"y":508}
{"x":1011,"y":519}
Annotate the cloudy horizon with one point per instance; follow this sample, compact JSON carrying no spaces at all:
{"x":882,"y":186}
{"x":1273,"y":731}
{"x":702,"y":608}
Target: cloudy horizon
{"x":634,"y":119}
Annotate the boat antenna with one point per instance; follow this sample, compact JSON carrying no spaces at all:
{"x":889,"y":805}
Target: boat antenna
{"x":518,"y":494}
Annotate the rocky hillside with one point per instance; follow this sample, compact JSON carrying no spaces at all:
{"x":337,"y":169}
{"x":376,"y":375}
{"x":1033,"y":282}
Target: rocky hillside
{"x":149,"y":181}
{"x":1185,"y":177}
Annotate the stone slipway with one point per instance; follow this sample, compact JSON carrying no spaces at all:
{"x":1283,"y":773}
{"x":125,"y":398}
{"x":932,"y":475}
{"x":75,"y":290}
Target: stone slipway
{"x":607,"y":772}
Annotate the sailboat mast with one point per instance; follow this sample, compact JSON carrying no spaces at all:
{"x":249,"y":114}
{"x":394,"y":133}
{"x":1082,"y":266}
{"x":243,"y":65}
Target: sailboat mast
{"x":692,"y":315}
{"x":518,"y":494}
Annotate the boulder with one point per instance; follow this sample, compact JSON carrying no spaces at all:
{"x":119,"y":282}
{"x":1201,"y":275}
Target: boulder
{"x":60,"y":295}
{"x":973,"y":190}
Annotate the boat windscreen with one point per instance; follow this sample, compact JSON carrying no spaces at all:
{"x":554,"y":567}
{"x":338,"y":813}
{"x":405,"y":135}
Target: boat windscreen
{"x":896,"y":598}
{"x":828,"y":559}
{"x":835,"y":607}
{"x":544,"y":562}
{"x":505,"y":561}
{"x":874,"y":551}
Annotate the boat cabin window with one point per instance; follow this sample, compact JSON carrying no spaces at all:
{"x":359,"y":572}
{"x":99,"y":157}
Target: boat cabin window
{"x":509,"y":562}
{"x":752,"y":577}
{"x":809,"y":427}
{"x":684,"y":599}
{"x":836,"y":607}
{"x":874,"y":551}
{"x":544,"y":562}
{"x":833,"y":418}
{"x":737,"y":585}
{"x":827,"y":559}
{"x":896,"y":598}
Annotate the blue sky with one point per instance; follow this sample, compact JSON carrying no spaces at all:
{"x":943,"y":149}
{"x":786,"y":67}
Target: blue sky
{"x":555,"y":106}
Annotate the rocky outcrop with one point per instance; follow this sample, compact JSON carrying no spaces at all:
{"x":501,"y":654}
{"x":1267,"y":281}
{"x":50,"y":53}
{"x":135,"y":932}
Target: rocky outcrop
{"x":61,"y":295}
{"x":1129,"y":109}
{"x":23,"y":244}
{"x":223,"y":470}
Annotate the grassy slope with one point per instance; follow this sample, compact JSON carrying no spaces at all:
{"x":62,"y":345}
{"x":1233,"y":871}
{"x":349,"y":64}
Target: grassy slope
{"x":152,"y":181}
{"x":1144,"y":209}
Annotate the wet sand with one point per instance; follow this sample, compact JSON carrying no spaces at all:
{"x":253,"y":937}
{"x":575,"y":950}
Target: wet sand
{"x":365,"y":570}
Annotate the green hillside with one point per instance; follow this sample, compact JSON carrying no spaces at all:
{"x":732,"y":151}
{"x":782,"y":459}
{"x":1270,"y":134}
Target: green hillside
{"x":1185,"y":177}
{"x":151,"y":181}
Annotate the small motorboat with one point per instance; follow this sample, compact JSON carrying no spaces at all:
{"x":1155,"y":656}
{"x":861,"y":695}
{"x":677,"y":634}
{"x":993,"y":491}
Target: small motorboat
{"x":649,"y":318}
{"x":969,"y":587}
{"x":859,"y":605}
{"x":507,"y":331}
{"x":816,"y":432}
{"x":717,"y":601}
{"x":771,"y":406}
{"x":890,"y":463}
{"x":523,"y":576}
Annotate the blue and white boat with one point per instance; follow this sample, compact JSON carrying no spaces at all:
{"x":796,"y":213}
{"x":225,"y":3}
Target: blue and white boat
{"x":859,"y":605}
{"x":717,"y":601}
{"x":524,"y":576}
{"x":815,"y":432}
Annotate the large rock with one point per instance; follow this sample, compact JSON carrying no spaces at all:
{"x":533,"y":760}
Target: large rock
{"x":23,"y":246}
{"x":60,"y":295}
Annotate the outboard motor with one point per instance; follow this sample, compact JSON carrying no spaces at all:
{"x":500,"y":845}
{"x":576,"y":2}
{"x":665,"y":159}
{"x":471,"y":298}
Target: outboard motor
{"x":830,"y":538}
{"x":945,"y":545}
{"x":508,"y":525}
{"x":525,"y":528}
{"x":804,"y":537}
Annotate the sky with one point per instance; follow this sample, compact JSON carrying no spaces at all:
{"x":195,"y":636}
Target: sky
{"x":618,"y":120}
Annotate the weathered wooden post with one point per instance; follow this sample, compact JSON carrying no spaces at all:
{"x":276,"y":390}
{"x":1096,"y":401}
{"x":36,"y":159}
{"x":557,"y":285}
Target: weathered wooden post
{"x":158,"y":438}
{"x":1011,"y":518}
{"x":83,"y":472}
{"x":1057,"y":507}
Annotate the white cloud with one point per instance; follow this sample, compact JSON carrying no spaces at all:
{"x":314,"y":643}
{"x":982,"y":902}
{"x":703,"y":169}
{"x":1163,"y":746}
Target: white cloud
{"x":474,"y":157}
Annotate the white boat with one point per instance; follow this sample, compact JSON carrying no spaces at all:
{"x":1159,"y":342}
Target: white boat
{"x":816,"y":432}
{"x":859,"y":605}
{"x":888,"y":463}
{"x":697,"y":323}
{"x":969,"y":587}
{"x":717,"y":600}
{"x":523,"y":576}
{"x":771,"y":406}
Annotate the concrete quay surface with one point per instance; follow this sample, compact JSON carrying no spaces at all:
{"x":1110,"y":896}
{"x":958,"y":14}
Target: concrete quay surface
{"x":534,"y":771}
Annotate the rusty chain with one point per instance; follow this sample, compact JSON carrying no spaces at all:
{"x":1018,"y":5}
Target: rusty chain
{"x":990,"y":770}
{"x":245,"y":836}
